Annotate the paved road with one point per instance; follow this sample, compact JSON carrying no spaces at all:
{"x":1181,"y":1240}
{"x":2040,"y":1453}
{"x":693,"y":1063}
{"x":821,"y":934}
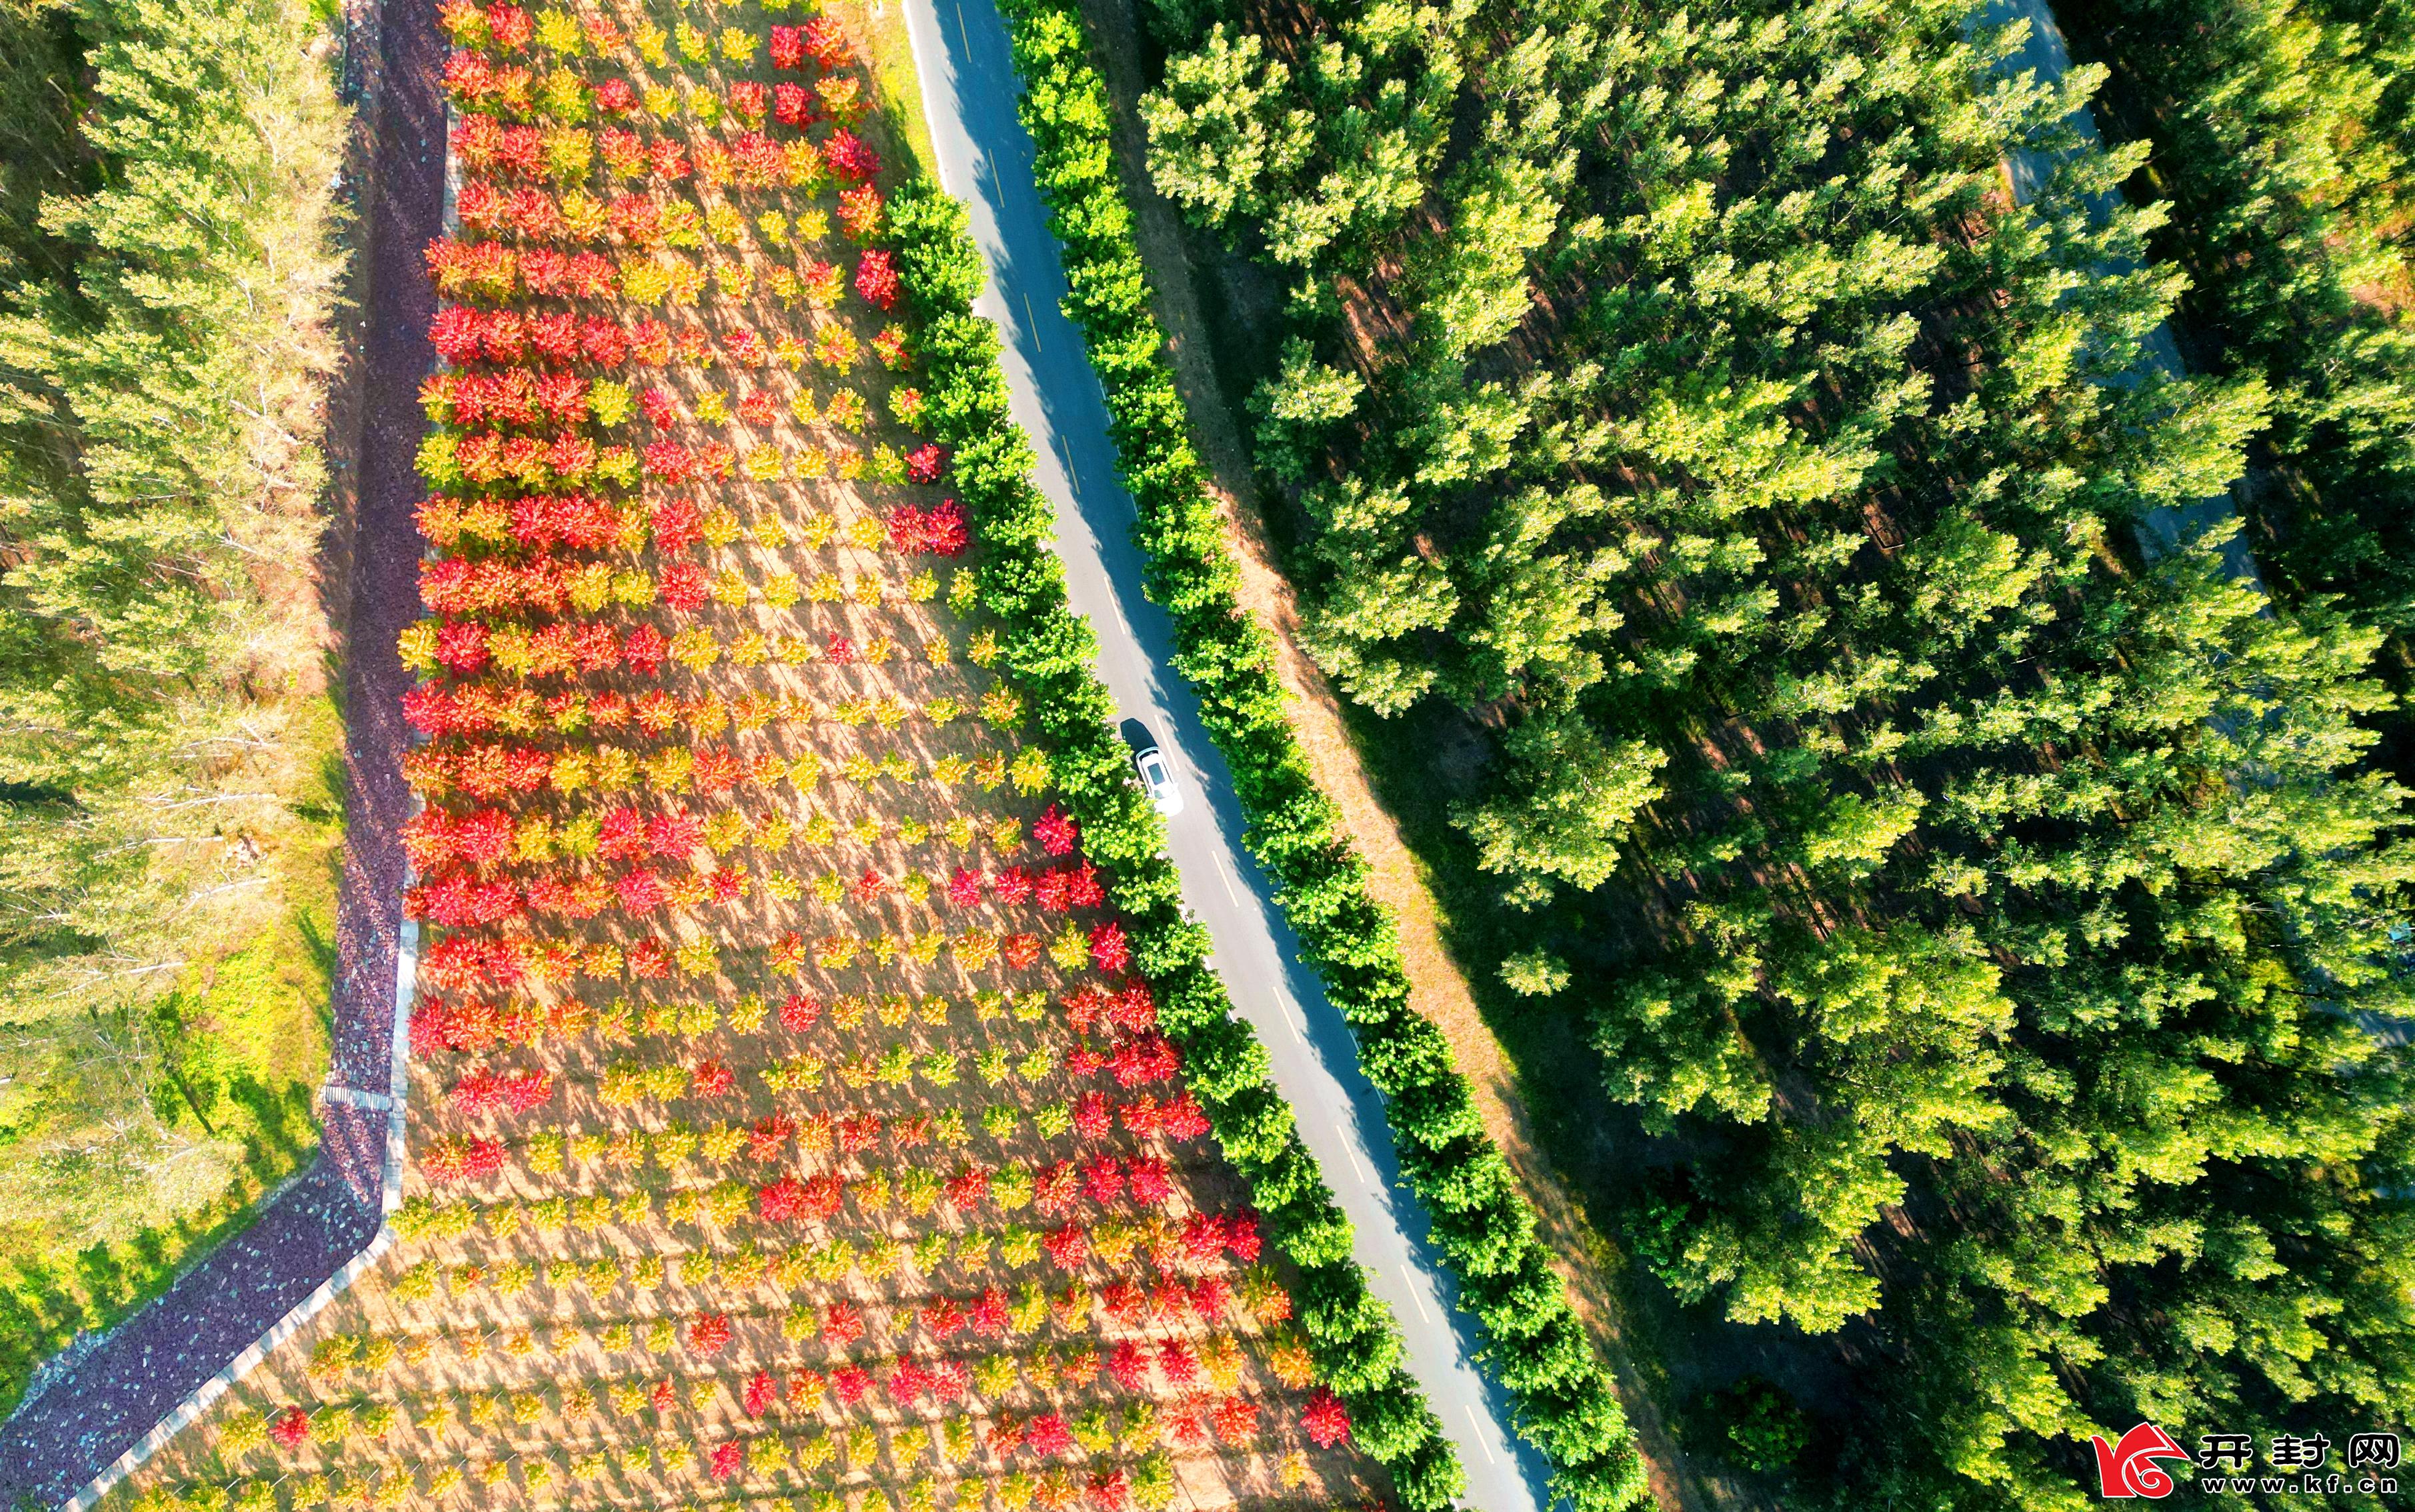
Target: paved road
{"x":969,"y":90}
{"x":2045,"y":53}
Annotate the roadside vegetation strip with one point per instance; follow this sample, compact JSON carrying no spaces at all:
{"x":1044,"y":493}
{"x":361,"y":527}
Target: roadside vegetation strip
{"x":1048,"y":654}
{"x":1566,"y":1404}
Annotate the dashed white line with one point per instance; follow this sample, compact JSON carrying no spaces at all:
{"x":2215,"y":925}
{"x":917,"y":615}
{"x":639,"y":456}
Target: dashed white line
{"x":1350,"y":1148}
{"x":1033,"y":316}
{"x":1225,"y":874}
{"x":1414,"y":1295}
{"x":1481,"y":1441}
{"x":1282,"y":1012}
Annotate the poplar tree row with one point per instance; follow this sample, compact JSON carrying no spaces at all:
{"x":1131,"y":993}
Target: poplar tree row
{"x":2282,"y":136}
{"x":1983,"y":918}
{"x":167,"y":273}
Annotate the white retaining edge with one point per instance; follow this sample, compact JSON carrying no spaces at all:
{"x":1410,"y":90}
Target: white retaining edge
{"x":406,"y":982}
{"x":405,"y":974}
{"x":218,"y":1386}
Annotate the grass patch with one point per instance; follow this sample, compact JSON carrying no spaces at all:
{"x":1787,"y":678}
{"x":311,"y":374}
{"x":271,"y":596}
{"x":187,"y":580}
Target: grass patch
{"x":233,"y":1058}
{"x":879,"y":28}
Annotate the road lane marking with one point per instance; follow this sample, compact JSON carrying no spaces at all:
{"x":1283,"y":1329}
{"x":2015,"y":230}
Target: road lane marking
{"x":987,"y":175}
{"x":1350,"y":1148}
{"x":1416,"y":1296}
{"x":1474,"y":1422}
{"x":1218,"y":857}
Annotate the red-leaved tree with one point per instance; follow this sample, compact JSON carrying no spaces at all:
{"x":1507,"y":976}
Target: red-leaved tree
{"x":1326,"y":1420}
{"x":708,"y":1333}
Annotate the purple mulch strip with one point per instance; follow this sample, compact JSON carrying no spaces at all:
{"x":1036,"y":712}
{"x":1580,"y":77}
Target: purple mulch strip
{"x":57,"y":1443}
{"x":60,"y":1441}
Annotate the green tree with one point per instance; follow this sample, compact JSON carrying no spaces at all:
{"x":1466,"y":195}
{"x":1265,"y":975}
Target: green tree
{"x":1575,"y":796}
{"x":1535,"y":973}
{"x":2009,"y":883}
{"x":1221,"y":140}
{"x":163,"y":736}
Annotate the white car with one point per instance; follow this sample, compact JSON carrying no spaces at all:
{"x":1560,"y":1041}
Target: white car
{"x":1157,"y":779}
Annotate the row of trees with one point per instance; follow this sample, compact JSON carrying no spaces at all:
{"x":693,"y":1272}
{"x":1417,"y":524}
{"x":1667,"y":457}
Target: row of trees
{"x":166,"y":273}
{"x":1566,"y":1404}
{"x":1048,"y":656}
{"x":2282,"y":137}
{"x":1979,"y":916}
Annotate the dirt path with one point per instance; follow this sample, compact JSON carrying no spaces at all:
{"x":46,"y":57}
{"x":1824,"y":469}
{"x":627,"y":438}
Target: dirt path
{"x":1438,"y":982}
{"x":88,"y":1415}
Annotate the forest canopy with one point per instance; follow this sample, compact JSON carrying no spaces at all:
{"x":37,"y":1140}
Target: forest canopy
{"x":2281,"y":134}
{"x":168,"y":271}
{"x":1978,"y":914}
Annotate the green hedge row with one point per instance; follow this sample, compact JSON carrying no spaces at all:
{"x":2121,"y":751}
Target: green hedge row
{"x":1048,"y":655}
{"x":1565,"y":1405}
